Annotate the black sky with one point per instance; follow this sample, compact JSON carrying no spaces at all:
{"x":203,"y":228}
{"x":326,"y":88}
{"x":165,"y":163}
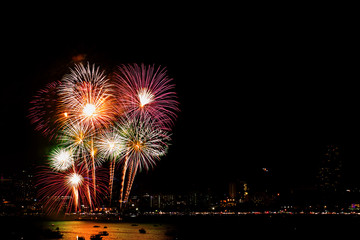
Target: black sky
{"x":255,"y":90}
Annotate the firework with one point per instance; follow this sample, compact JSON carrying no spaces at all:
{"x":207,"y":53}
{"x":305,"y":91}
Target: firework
{"x":147,"y":90}
{"x":94,"y":121}
{"x":61,"y":159}
{"x":77,"y":137}
{"x":110,"y":145}
{"x":46,"y":110}
{"x":87,"y":94}
{"x":68,"y":190}
{"x":144,"y":141}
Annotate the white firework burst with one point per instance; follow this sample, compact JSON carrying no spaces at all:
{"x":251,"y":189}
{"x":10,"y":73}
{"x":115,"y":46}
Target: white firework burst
{"x":61,"y":159}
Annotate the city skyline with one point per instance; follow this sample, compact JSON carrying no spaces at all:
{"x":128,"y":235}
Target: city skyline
{"x":243,"y":195}
{"x":328,"y":175}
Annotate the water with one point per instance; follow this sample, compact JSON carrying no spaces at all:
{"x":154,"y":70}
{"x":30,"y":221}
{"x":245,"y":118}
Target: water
{"x":117,"y":231}
{"x":237,"y":227}
{"x":20,"y":228}
{"x":190,"y":227}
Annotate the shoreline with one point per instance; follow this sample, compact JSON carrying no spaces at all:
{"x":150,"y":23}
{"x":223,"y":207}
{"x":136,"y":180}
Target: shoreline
{"x":147,"y":217}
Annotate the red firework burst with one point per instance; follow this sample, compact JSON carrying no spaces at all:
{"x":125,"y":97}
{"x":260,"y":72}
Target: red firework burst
{"x":147,"y":90}
{"x":69,"y":190}
{"x":46,"y":110}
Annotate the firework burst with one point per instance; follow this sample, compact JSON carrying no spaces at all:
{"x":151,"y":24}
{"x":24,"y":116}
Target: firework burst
{"x":77,"y":137}
{"x":144,"y":141}
{"x":147,"y":90}
{"x":61,"y":159}
{"x":110,"y":145}
{"x":46,"y":110}
{"x":87,"y":94}
{"x":68,"y":190}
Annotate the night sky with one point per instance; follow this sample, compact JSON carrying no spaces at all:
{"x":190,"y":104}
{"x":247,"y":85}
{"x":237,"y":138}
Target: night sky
{"x":254,"y":90}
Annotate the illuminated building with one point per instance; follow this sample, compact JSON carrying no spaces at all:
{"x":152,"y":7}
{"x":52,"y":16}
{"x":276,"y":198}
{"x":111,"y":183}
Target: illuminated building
{"x":329,"y":175}
{"x":238,"y":191}
{"x":354,"y":207}
{"x":18,"y":194}
{"x":232,"y":190}
{"x":227,"y":203}
{"x":243,"y":192}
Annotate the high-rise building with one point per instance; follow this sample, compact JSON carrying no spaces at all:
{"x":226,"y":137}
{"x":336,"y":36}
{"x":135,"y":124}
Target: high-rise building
{"x":243,"y":192}
{"x":232,"y":190}
{"x":329,"y":176}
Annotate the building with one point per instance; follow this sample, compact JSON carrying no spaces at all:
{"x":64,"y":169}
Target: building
{"x":18,"y":194}
{"x":243,"y":193}
{"x":330,"y":170}
{"x":232,"y":190}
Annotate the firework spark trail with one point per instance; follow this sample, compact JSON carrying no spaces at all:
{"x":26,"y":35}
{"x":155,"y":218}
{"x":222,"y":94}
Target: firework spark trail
{"x":144,"y":143}
{"x":88,"y":95}
{"x":123,"y":180}
{"x":50,"y":194}
{"x":69,"y":189}
{"x":111,"y":181}
{"x":93,"y":168}
{"x":88,"y":191}
{"x":133,"y":171}
{"x":58,"y":185}
{"x":45,"y":110}
{"x":147,"y":90}
{"x":129,"y":174}
{"x":110,"y":145}
{"x":74,"y":180}
{"x":76,"y":137}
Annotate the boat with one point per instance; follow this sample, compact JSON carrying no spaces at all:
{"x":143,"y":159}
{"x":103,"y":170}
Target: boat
{"x":95,"y":237}
{"x":103,"y":233}
{"x":141,"y":230}
{"x":96,"y":226}
{"x":80,"y":238}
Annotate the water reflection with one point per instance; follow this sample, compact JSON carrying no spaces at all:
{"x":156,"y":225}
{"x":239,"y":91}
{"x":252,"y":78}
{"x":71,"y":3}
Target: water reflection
{"x":73,"y":229}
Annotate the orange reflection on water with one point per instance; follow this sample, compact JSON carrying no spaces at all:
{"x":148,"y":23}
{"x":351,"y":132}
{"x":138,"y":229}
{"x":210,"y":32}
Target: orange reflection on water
{"x":117,"y":231}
